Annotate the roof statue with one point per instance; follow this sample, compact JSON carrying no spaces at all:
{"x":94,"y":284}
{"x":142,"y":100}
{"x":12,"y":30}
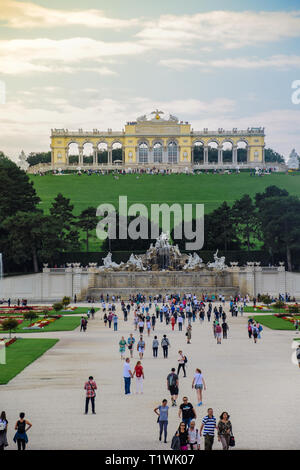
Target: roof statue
{"x":219,"y":263}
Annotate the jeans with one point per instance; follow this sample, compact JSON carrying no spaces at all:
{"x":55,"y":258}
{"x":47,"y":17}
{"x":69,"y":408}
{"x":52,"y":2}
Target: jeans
{"x":87,"y":404}
{"x":208,"y":441}
{"x":163,"y":426}
{"x":155,"y":352}
{"x":181,"y":366}
{"x":127,"y":381}
{"x":187,"y":421}
{"x":165,"y":351}
{"x":115,"y":326}
{"x":180,"y":326}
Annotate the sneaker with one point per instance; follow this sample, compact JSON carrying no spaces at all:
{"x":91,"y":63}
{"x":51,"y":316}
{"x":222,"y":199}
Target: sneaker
{"x":200,"y":403}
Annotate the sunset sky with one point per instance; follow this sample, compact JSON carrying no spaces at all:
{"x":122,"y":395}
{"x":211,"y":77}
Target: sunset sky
{"x":97,"y":64}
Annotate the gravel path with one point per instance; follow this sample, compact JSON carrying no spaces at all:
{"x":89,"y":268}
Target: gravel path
{"x":256,"y":383}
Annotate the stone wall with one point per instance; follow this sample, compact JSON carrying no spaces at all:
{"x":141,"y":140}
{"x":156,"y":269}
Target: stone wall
{"x":52,"y":284}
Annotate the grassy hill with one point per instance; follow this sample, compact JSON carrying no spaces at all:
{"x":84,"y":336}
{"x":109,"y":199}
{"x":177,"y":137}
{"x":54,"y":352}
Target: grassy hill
{"x":208,"y":189}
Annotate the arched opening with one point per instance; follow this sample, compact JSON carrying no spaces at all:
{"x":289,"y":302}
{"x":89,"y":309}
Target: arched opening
{"x":227,"y":149}
{"x":242,"y":149}
{"x":143,"y":153}
{"x":73,"y":153}
{"x":172,"y":152}
{"x":198,"y":151}
{"x":102,"y":153}
{"x":117,"y":152}
{"x":87,"y":152}
{"x":157,"y":152}
{"x":212,"y":152}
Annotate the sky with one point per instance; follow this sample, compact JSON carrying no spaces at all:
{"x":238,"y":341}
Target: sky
{"x":97,"y":64}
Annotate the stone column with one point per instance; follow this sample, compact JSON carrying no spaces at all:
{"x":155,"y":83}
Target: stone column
{"x":109,"y":155}
{"x":165,"y":155}
{"x":67,"y":155}
{"x":150,"y":155}
{"x":263,"y":154}
{"x":220,"y":155}
{"x":248,"y":153}
{"x":205,"y":155}
{"x":95,"y":156}
{"x":234,"y":154}
{"x":80,"y":158}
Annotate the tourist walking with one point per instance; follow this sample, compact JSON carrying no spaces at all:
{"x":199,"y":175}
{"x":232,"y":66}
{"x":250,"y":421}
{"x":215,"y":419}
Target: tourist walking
{"x":189,"y":334}
{"x":224,"y":430}
{"x":198,"y":384}
{"x":110,"y":317}
{"x":115,"y":320}
{"x":155,"y":344}
{"x":141,"y":347}
{"x":148,"y":324}
{"x":180,"y":322}
{"x":141,"y":326}
{"x":193,"y":436}
{"x":182,"y":433}
{"x":254,"y":332}
{"x":225,"y":329}
{"x":186,"y":411}
{"x":122,"y":344}
{"x":218,"y":333}
{"x":172,"y":386}
{"x":165,"y":343}
{"x":3,"y":430}
{"x":105,"y":320}
{"x":139,"y":377}
{"x":83,"y":324}
{"x":208,"y":427}
{"x":127,"y":374}
{"x":162,"y":412}
{"x":130,"y":344}
{"x":21,"y":437}
{"x":90,"y":386}
{"x":298,"y":355}
{"x":181,"y":363}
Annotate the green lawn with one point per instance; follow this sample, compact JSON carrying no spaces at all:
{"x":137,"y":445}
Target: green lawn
{"x":22,"y":353}
{"x":63,"y":324}
{"x":210,"y":190}
{"x":270,"y":310}
{"x":79,"y":310}
{"x":274,"y":323}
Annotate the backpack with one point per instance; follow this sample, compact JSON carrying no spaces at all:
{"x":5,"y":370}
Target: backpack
{"x":175,"y":444}
{"x":185,"y":359}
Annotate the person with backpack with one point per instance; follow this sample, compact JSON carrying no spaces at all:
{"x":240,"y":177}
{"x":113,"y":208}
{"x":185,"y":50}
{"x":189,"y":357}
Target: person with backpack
{"x":21,"y":437}
{"x":186,"y":410}
{"x":162,"y":412}
{"x":3,"y":431}
{"x":165,"y":343}
{"x":139,"y":377}
{"x":172,"y":386}
{"x":130,"y":344}
{"x":181,"y":363}
{"x":193,"y":437}
{"x":199,"y":383}
{"x":141,"y":347}
{"x":90,"y":386}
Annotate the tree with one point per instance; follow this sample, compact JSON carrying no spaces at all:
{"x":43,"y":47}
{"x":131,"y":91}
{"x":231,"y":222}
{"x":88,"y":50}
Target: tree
{"x":10,"y":324}
{"x":34,"y":158}
{"x":30,"y":316}
{"x":280,"y":225}
{"x":57,"y":306}
{"x":272,"y":156}
{"x":65,"y":301}
{"x":61,"y":211}
{"x":87,"y":221}
{"x":220,"y":230}
{"x":270,"y":191}
{"x":244,"y":215}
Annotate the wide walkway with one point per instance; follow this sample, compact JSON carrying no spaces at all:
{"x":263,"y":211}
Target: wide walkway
{"x":256,"y":383}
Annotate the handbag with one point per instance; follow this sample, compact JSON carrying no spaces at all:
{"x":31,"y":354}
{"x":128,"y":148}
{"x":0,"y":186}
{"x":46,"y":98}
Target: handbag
{"x":231,"y":441}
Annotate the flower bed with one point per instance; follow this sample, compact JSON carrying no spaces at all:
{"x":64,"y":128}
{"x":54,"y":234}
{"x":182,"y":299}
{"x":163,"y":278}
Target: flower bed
{"x":25,"y":309}
{"x":42,"y":323}
{"x":19,"y":318}
{"x":290,"y":317}
{"x":8,"y":342}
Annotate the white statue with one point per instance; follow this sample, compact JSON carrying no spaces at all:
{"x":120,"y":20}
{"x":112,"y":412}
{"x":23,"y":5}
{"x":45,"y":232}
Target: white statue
{"x":142,"y":118}
{"x":22,"y":162}
{"x":108,"y":263}
{"x":173,"y":118}
{"x":293,"y":161}
{"x":136,"y":261}
{"x":162,"y":241}
{"x":193,"y":261}
{"x":219,"y":263}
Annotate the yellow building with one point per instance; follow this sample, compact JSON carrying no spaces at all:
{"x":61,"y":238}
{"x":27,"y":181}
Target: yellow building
{"x":161,"y":142}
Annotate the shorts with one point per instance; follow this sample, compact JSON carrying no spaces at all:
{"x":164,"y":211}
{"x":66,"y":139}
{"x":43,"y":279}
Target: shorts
{"x":218,"y":335}
{"x":141,"y":350}
{"x":173,"y":390}
{"x":199,"y":386}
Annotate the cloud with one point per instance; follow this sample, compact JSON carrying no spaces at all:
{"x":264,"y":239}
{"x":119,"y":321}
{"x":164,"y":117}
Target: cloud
{"x":276,"y":61}
{"x":228,"y":29}
{"x":29,"y":15}
{"x":21,"y":56}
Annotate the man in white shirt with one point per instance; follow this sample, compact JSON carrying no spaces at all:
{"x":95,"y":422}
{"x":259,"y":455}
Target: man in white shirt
{"x":127,"y":374}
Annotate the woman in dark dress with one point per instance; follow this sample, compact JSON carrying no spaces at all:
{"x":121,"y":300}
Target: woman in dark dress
{"x":3,"y":431}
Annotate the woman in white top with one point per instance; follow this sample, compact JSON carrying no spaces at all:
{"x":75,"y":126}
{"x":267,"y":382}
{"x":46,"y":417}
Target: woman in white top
{"x":198,"y":384}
